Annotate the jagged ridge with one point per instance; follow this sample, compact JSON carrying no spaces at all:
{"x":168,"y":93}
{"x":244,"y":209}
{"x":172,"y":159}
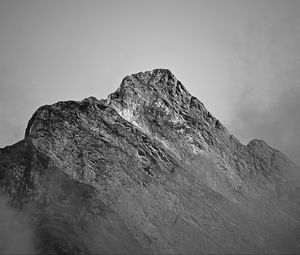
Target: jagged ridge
{"x":154,"y":172}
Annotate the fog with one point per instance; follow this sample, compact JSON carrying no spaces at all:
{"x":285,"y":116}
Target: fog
{"x":16,"y":235}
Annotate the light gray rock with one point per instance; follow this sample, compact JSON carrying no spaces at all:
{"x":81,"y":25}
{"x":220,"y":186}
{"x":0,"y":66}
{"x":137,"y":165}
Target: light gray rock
{"x":149,"y":170}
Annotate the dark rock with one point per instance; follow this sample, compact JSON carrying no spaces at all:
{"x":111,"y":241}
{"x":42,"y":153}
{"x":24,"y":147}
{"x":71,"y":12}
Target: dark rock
{"x":149,"y":170}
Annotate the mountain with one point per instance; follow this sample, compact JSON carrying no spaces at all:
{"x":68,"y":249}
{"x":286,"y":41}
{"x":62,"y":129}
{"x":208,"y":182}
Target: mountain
{"x":147,"y":170}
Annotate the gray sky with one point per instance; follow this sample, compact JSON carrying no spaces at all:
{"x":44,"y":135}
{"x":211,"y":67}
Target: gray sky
{"x":240,"y":58}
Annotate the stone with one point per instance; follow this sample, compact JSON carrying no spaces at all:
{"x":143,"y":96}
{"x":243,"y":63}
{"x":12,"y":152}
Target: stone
{"x":148,"y":170}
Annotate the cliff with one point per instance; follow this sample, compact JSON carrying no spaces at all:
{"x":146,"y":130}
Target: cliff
{"x":148,"y":170}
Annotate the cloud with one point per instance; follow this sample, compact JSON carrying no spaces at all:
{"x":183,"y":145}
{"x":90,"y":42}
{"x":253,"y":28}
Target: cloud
{"x":266,"y":82}
{"x":16,"y":235}
{"x":278,"y":123}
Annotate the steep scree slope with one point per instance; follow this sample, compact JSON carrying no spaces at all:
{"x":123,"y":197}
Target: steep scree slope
{"x":148,"y":170}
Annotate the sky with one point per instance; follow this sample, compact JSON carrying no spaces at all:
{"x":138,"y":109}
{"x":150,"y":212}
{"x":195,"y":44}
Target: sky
{"x":240,"y":58}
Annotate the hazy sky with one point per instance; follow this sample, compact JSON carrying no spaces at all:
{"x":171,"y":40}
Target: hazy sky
{"x":240,"y":58}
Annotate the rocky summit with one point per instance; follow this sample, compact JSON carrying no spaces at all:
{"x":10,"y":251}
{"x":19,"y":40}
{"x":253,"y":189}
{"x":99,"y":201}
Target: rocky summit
{"x":148,"y":170}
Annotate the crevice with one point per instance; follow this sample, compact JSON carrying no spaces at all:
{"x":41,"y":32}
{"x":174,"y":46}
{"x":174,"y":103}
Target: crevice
{"x":147,"y":170}
{"x":141,"y":153}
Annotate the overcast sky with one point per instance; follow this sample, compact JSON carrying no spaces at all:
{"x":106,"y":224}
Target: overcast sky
{"x":240,"y":58}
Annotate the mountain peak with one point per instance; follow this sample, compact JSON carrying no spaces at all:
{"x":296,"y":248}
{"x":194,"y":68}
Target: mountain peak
{"x":158,"y":103}
{"x":153,"y":84}
{"x":149,"y":170}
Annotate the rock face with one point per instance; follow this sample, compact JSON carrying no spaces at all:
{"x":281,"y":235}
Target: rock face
{"x":148,"y":170}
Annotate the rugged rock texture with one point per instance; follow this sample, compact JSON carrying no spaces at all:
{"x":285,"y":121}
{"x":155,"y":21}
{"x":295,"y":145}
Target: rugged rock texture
{"x":149,"y":170}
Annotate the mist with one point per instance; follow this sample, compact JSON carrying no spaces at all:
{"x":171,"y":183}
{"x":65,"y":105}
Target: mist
{"x":266,"y":83}
{"x":16,"y":233}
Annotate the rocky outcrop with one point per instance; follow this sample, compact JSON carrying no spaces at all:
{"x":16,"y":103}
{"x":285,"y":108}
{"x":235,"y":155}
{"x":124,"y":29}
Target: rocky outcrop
{"x":149,"y":170}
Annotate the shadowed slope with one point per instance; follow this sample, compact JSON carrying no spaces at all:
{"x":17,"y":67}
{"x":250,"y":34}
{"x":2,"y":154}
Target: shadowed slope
{"x":149,"y":170}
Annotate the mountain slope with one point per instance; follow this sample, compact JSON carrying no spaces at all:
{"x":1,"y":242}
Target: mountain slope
{"x":149,"y":170}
